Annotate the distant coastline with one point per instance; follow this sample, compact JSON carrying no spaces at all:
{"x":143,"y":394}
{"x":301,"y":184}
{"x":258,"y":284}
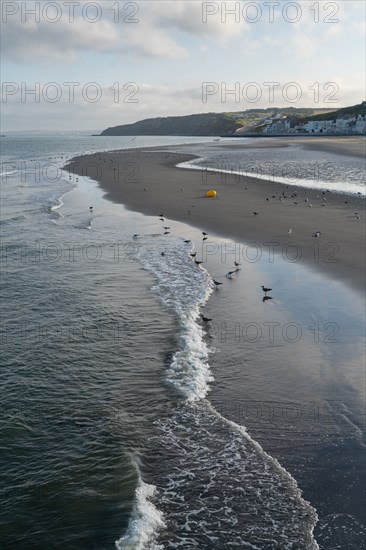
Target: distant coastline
{"x":270,"y":122}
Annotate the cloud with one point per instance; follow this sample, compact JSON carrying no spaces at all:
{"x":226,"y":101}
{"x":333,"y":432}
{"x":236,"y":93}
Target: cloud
{"x":305,"y":46}
{"x":159,"y":30}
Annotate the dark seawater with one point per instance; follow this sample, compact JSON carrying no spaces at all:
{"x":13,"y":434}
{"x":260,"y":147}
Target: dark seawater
{"x":128,"y":422}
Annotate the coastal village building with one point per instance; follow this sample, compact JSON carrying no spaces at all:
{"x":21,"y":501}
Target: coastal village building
{"x":344,"y":125}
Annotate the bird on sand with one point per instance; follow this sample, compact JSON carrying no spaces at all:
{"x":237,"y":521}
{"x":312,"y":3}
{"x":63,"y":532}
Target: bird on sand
{"x":205,"y":319}
{"x":187,"y":241}
{"x":237,"y":264}
{"x":266,"y":289}
{"x":204,"y":233}
{"x":217,"y":283}
{"x":194,"y":254}
{"x":255,"y":213}
{"x":135,"y":236}
{"x":289,"y":231}
{"x":205,"y":238}
{"x":197,"y":262}
{"x":317,"y":234}
{"x":166,"y":232}
{"x":229,"y":274}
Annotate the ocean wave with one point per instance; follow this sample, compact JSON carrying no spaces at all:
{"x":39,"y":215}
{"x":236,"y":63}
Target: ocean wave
{"x":146,"y":519}
{"x":218,"y":488}
{"x":309,"y":183}
{"x":13,"y":219}
{"x":184,"y":288}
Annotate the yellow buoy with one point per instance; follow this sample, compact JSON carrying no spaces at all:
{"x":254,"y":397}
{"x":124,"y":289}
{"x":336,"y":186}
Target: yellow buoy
{"x":211,"y":193}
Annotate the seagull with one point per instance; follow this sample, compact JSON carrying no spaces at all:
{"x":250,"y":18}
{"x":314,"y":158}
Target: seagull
{"x":135,"y":236}
{"x":356,"y":213}
{"x":204,"y":238}
{"x":194,"y":254}
{"x":205,"y":319}
{"x":255,"y":213}
{"x":229,"y":274}
{"x":91,"y":208}
{"x":205,"y":234}
{"x":162,"y":219}
{"x":266,"y":289}
{"x":306,"y":200}
{"x":217,"y":283}
{"x":317,"y":234}
{"x":187,"y":241}
{"x":237,"y":264}
{"x":289,"y":231}
{"x":163,"y":253}
{"x":161,"y":215}
{"x":265,"y":298}
{"x":166,"y":227}
{"x":358,"y":217}
{"x":166,"y":232}
{"x":197,"y":262}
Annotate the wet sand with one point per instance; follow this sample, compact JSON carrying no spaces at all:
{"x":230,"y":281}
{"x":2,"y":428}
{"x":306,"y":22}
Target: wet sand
{"x":148,"y":181}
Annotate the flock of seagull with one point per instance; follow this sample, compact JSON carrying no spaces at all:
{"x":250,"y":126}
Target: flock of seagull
{"x":229,"y":274}
{"x":193,"y":255}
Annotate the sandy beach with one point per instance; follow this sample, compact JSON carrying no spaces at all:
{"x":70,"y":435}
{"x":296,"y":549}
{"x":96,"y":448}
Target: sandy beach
{"x":148,"y":181}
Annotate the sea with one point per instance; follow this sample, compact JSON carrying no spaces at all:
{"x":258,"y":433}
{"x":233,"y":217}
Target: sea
{"x":131,"y":421}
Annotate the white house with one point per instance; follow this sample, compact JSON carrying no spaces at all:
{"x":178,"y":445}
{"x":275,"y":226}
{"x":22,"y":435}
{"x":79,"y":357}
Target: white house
{"x":360,"y":125}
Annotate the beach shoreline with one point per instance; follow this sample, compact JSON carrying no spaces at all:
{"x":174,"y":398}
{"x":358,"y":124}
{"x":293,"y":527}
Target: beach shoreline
{"x":148,"y":180}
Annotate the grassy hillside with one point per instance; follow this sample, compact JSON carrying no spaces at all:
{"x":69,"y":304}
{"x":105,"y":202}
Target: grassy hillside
{"x":355,"y":110}
{"x":208,"y":124}
{"x":217,"y":124}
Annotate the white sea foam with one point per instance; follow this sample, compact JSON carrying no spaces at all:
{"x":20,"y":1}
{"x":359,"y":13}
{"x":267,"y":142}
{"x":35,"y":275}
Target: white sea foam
{"x":219,"y":488}
{"x":145,"y":521}
{"x":58,"y":204}
{"x":8,"y":173}
{"x":183,"y":287}
{"x":211,"y":465}
{"x":339,"y":187}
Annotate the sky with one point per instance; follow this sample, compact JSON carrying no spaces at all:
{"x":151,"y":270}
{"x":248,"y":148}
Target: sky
{"x":84,"y":65}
